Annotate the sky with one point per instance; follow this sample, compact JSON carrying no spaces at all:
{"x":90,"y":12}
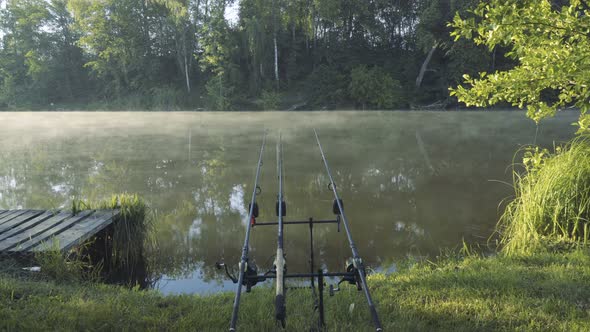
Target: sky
{"x":232,"y":12}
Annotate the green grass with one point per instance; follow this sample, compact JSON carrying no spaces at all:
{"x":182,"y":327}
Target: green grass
{"x":542,"y":291}
{"x":552,"y":203}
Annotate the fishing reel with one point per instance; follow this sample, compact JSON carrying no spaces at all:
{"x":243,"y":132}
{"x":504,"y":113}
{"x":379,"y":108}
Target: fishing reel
{"x":251,"y":277}
{"x":353,"y":277}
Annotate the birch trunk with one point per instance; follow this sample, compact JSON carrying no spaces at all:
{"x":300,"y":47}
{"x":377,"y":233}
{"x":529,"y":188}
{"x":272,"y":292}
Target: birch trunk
{"x":275,"y":43}
{"x":276,"y":61}
{"x":425,"y":66}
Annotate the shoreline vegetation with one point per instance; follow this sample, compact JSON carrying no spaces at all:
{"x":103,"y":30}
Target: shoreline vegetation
{"x":218,"y":54}
{"x":350,"y":108}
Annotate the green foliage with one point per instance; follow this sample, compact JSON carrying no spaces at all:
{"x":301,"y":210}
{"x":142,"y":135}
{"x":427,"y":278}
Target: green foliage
{"x":326,"y":86}
{"x":219,"y":94}
{"x":270,"y":100}
{"x":552,"y":199}
{"x":374,"y":88}
{"x":23,"y":56}
{"x":551,"y":46}
{"x":167,"y":98}
{"x":163,"y":54}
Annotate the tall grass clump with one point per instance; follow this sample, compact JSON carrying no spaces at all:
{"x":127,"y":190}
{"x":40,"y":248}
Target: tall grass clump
{"x":552,"y":203}
{"x":131,"y":232}
{"x":74,"y":265}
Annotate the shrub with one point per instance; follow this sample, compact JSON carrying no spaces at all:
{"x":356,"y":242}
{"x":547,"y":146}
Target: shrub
{"x":269,"y":100}
{"x":326,"y":86}
{"x":166,"y":98}
{"x":219,"y":93}
{"x":552,"y":199}
{"x":374,"y":88}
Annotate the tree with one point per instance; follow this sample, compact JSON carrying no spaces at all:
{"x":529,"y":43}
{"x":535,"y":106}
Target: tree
{"x":217,"y":57}
{"x":552,"y":47}
{"x":373,"y":87}
{"x":26,"y":52}
{"x":119,"y":36}
{"x":146,"y":53}
{"x":183,"y":22}
{"x":433,"y":34}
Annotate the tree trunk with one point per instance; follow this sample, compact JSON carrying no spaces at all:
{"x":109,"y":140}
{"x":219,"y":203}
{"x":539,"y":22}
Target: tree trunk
{"x":425,"y":66}
{"x":276,"y":61}
{"x":185,"y":55}
{"x":494,"y":59}
{"x":188,"y":81}
{"x":275,"y":44}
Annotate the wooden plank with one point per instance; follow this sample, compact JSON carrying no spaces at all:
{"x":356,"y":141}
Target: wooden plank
{"x":80,"y":232}
{"x":13,"y":214}
{"x":3,"y":212}
{"x":41,"y":232}
{"x":18,"y":220}
{"x":8,"y":213}
{"x":31,"y":223}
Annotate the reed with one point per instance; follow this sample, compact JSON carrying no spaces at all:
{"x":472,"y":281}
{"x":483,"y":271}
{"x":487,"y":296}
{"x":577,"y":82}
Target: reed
{"x":131,"y":232}
{"x":552,"y":203}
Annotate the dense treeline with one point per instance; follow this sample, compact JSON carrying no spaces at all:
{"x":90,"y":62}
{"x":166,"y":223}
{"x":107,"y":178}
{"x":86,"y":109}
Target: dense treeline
{"x":276,"y":54}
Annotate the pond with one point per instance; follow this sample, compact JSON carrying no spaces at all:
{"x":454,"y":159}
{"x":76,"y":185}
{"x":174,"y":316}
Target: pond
{"x":413,"y":183}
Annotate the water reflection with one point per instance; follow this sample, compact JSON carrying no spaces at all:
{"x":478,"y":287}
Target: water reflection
{"x":412,"y":182}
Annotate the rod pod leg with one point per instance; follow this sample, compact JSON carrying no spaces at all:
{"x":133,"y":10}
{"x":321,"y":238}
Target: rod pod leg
{"x":321,"y":295}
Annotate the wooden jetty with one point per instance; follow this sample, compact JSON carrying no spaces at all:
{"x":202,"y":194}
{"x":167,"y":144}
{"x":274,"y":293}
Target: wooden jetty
{"x":29,"y":231}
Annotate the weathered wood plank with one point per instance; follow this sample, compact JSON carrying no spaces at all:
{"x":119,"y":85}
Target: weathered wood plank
{"x":31,"y":223}
{"x":79,"y":232}
{"x":12,"y":215}
{"x":18,"y":220}
{"x":41,"y":232}
{"x":3,"y":212}
{"x":8,"y":213}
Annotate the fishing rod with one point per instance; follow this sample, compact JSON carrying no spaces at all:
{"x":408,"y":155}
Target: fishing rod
{"x":357,"y":262}
{"x":280,"y":267}
{"x":244,"y":267}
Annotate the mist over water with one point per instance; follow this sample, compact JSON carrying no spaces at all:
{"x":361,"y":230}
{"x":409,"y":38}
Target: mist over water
{"x":413,"y":183}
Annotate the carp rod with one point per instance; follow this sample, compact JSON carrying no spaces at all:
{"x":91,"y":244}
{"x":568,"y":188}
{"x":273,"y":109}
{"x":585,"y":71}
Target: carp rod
{"x":243,"y":265}
{"x":280,"y":267}
{"x":356,"y":259}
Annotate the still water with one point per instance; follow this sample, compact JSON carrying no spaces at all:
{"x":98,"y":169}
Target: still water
{"x":413,"y":183}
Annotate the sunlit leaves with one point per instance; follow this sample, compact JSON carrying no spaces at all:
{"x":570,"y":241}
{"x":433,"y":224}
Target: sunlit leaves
{"x":551,"y":45}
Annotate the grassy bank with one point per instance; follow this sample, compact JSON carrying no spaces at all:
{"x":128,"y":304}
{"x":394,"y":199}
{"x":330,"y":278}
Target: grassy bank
{"x":526,"y":293}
